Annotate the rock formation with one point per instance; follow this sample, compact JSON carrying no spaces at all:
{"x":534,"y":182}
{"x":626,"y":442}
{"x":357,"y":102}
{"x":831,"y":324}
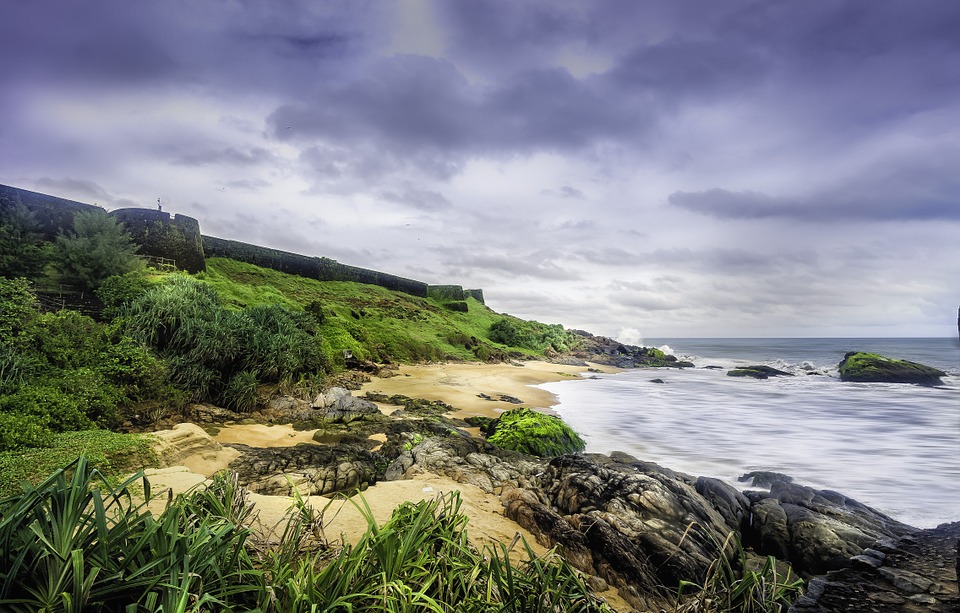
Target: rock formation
{"x":870,"y":367}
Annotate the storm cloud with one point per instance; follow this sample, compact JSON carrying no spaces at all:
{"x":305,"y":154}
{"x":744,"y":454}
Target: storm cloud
{"x":680,"y":169}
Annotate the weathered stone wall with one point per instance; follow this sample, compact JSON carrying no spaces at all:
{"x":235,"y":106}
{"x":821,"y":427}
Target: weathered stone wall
{"x":177,"y":238}
{"x":54,"y":215}
{"x":476,"y":294}
{"x":446,"y":292}
{"x":322,"y":269}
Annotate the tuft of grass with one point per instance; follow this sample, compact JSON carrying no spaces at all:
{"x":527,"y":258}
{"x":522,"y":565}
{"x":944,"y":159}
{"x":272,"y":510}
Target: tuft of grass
{"x":731,"y":586}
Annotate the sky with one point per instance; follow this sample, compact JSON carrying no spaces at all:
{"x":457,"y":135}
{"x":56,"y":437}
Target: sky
{"x":633,"y":168}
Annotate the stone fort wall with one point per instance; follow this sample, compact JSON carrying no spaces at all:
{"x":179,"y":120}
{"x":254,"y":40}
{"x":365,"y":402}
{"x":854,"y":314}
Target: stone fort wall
{"x":178,"y":238}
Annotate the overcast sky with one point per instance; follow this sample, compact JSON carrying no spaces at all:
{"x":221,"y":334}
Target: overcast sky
{"x":664,"y":169}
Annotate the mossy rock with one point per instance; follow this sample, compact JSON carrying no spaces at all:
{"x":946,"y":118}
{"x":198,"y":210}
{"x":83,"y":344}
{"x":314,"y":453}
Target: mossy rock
{"x":870,"y":367}
{"x":758,"y":372}
{"x":534,"y":433}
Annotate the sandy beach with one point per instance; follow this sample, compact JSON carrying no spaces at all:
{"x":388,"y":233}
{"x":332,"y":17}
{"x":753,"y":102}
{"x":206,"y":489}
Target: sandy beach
{"x":461,"y":384}
{"x":191,"y":455}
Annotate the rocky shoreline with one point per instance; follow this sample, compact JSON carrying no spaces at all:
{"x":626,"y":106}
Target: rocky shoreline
{"x":636,"y":528}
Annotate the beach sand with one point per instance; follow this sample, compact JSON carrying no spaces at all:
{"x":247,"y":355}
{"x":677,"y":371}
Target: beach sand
{"x":459,"y":385}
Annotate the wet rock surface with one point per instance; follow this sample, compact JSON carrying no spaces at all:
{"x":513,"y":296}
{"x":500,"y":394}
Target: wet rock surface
{"x":817,"y":530}
{"x":911,"y":574}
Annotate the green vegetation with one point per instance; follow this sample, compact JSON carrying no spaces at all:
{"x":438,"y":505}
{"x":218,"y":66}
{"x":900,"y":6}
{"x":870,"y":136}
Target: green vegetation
{"x":731,"y":586}
{"x":64,"y":371}
{"x":113,"y":453}
{"x":871,"y":367}
{"x":377,"y":324}
{"x":532,"y":335}
{"x":97,"y":248}
{"x":76,"y":542}
{"x":533,"y":433}
{"x":23,"y":253}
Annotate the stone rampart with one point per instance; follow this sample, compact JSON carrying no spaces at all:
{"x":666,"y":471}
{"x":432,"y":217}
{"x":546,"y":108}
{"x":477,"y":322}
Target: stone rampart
{"x":175,"y":238}
{"x":321,"y":269}
{"x":178,"y":238}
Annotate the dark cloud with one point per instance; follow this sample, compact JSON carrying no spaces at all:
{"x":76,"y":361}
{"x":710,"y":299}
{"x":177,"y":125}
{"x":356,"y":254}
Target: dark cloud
{"x":564,"y":191}
{"x":75,"y":189}
{"x":863,"y":202}
{"x":422,"y":199}
{"x":228,"y":156}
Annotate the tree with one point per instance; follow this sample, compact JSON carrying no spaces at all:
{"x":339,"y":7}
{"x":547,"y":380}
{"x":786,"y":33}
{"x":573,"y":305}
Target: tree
{"x":97,"y":248}
{"x":23,"y":252}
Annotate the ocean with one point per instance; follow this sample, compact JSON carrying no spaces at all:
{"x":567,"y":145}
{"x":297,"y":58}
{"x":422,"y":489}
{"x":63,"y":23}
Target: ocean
{"x":895,"y":447}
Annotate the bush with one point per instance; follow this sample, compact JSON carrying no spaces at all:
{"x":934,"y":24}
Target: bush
{"x":18,"y":431}
{"x":534,"y":433}
{"x":215,"y":353}
{"x":118,"y":290}
{"x":532,"y":335}
{"x":97,"y":248}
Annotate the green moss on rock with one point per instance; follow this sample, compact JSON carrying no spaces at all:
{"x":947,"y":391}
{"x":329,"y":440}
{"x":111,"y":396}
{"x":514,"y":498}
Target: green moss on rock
{"x":534,"y":433}
{"x":871,"y":367}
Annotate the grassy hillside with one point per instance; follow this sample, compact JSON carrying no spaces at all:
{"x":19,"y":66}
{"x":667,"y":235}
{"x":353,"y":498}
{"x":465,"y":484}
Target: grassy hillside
{"x":372,"y":322}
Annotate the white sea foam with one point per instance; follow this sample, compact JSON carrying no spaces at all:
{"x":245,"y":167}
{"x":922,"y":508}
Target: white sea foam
{"x":890,"y":446}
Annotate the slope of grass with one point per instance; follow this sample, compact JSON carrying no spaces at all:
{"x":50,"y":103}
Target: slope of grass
{"x":369,"y":321}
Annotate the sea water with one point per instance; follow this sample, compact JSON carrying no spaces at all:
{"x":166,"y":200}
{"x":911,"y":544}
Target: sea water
{"x":895,"y":447}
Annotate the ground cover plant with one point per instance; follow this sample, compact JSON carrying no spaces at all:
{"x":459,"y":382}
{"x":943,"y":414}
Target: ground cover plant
{"x":63,"y":371}
{"x":76,"y":542}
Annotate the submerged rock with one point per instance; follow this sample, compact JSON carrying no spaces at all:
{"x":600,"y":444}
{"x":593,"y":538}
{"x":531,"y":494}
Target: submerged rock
{"x":874,"y":368}
{"x":758,"y":372}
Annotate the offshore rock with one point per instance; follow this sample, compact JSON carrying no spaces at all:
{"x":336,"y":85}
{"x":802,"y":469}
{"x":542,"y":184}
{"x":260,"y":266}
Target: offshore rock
{"x":870,"y":367}
{"x":310,"y":469}
{"x":816,"y":530}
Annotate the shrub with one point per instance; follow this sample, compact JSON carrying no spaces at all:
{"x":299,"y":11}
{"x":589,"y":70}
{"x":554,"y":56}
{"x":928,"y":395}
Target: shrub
{"x":18,"y":431}
{"x":97,"y":248}
{"x":240,"y":393}
{"x":118,"y":290}
{"x":534,"y":433}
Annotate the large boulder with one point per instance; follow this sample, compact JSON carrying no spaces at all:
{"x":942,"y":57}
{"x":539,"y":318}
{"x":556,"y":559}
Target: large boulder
{"x":527,"y":431}
{"x":337,"y":405}
{"x":871,"y":367}
{"x":632,"y":523}
{"x":309,"y":469}
{"x":816,"y":530}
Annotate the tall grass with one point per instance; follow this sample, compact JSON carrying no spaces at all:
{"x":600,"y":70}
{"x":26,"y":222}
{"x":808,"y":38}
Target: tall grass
{"x":77,"y":543}
{"x":730,"y":585}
